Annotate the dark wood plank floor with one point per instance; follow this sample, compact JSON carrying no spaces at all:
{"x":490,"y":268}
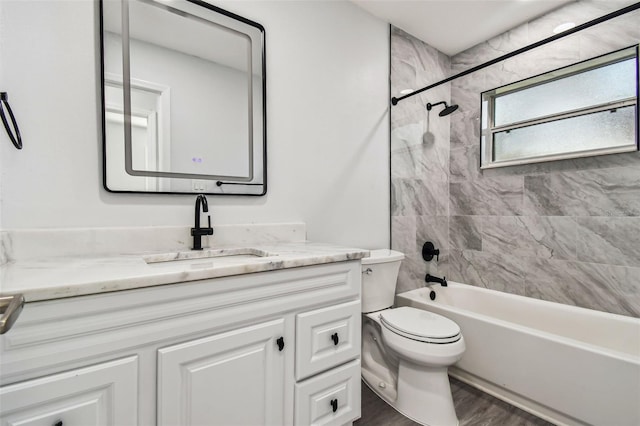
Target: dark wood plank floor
{"x":473,"y":407}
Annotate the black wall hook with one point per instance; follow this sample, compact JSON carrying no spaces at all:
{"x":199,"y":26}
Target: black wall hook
{"x":14,"y":134}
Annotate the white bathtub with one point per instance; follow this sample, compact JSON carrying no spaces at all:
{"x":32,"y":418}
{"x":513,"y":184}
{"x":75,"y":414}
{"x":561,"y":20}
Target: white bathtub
{"x":565,"y":364}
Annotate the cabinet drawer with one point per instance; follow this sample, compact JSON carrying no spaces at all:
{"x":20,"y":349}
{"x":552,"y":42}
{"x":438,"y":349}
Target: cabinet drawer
{"x":332,"y":398}
{"x":326,"y":338}
{"x":103,"y":394}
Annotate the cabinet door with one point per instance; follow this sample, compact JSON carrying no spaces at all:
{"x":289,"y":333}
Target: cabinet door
{"x":103,"y":394}
{"x":232,"y":378}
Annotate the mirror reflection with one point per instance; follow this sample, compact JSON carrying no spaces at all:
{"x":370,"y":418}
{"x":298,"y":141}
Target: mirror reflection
{"x":183,"y":98}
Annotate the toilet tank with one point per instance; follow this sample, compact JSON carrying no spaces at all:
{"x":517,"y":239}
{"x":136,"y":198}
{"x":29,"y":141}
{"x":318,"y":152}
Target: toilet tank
{"x":379,"y":276}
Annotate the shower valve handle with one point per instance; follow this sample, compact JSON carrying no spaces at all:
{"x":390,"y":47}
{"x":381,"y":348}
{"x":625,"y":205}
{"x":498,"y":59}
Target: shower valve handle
{"x":429,"y":250}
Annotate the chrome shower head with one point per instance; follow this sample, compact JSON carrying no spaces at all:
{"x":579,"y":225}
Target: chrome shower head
{"x":447,"y":109}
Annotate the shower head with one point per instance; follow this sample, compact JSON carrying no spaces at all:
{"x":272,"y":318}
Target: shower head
{"x":447,"y":109}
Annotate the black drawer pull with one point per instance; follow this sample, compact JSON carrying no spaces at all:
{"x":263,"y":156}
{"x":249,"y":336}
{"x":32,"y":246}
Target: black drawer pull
{"x":335,"y":338}
{"x":280,"y":343}
{"x":58,"y":423}
{"x":334,"y":405}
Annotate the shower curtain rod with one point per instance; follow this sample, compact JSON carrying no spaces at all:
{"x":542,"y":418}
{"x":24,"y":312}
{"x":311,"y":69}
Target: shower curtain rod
{"x":573,"y":30}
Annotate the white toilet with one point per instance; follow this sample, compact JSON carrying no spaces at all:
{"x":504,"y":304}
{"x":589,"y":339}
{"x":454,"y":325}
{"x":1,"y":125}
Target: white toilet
{"x":406,"y":351}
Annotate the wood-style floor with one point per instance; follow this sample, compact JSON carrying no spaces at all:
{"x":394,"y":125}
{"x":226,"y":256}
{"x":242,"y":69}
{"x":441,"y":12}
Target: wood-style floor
{"x":473,"y":407}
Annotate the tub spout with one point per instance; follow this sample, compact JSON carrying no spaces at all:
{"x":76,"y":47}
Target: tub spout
{"x":431,"y":279}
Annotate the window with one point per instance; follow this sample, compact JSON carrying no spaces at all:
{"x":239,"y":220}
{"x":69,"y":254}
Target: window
{"x":586,"y":109}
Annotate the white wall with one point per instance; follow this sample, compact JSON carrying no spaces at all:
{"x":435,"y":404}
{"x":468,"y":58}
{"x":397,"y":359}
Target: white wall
{"x":327,"y":105}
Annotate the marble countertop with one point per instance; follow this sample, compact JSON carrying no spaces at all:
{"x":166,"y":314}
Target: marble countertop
{"x":59,"y":277}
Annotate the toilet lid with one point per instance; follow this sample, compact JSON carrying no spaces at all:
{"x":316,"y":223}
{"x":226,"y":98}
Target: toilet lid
{"x":420,"y":325}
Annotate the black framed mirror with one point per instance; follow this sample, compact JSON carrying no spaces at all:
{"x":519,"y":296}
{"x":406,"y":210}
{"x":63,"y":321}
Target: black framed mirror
{"x":184,"y":98}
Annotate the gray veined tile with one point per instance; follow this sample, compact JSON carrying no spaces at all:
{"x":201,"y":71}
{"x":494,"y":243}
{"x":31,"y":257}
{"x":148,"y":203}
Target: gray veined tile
{"x":558,"y":54}
{"x":465,"y":232}
{"x":605,"y":288}
{"x":403,"y":234}
{"x":406,"y":145}
{"x":407,"y":136}
{"x":465,"y":92}
{"x":432,"y":159}
{"x":535,"y":236}
{"x":469,"y":58}
{"x":509,"y":41}
{"x":501,"y":74}
{"x":487,"y":197}
{"x":489,"y":50}
{"x":403,"y":163}
{"x":619,"y":33}
{"x":416,"y":197}
{"x":628,"y":159}
{"x":434,"y":229}
{"x":439,"y":267}
{"x":404,"y":74}
{"x":465,"y":128}
{"x":604,"y":192}
{"x":501,"y":272}
{"x":412,"y":272}
{"x":428,"y":160}
{"x":410,"y":111}
{"x":610,"y":240}
{"x":464,"y":164}
{"x":421,"y":55}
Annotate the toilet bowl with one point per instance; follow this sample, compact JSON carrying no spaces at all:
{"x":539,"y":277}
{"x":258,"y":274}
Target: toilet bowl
{"x":406,"y":351}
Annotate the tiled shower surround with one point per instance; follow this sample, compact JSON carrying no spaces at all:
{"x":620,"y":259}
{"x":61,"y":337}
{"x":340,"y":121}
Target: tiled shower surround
{"x":565,"y":231}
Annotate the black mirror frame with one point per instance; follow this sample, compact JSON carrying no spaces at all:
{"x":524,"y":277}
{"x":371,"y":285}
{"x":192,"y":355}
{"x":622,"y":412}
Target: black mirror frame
{"x":219,"y":183}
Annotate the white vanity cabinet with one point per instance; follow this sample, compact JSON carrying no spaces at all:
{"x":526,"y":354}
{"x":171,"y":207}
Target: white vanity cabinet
{"x":232,"y":378}
{"x":100,"y":394}
{"x":328,"y":342}
{"x":276,"y":348}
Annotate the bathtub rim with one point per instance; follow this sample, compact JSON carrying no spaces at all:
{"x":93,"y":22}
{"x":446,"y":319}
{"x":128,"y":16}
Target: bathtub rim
{"x":575,"y":343}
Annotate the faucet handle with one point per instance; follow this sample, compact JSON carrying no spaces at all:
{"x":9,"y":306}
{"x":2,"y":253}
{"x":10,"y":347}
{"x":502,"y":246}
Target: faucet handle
{"x":429,"y":250}
{"x":209,"y":229}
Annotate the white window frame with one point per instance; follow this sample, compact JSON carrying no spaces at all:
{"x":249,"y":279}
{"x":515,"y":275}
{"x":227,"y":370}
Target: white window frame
{"x":488,"y":128}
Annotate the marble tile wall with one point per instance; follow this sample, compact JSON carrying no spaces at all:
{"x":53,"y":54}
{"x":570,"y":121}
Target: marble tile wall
{"x":419,"y":158}
{"x":565,"y":231}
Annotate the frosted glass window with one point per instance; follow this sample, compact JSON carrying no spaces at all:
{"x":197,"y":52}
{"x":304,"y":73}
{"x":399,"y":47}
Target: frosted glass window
{"x":589,"y":108}
{"x":589,"y":132}
{"x":610,"y":83}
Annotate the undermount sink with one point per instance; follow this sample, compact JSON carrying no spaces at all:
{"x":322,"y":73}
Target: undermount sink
{"x":192,"y":257}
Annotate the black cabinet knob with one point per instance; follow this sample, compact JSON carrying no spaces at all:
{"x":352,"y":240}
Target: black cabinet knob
{"x":334,"y":405}
{"x":335,"y":338}
{"x":58,"y":423}
{"x":280,"y":343}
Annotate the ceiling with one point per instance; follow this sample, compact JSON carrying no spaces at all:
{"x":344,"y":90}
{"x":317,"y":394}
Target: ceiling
{"x":452,"y":26}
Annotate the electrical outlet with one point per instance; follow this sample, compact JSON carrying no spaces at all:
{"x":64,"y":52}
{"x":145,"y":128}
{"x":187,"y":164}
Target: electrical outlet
{"x":197,"y":185}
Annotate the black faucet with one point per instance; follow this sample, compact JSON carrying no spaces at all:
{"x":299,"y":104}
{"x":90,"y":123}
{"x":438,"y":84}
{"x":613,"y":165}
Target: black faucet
{"x":432,"y":279}
{"x":196,"y":231}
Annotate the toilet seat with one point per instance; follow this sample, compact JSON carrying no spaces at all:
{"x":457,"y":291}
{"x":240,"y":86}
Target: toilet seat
{"x":420,"y":325}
